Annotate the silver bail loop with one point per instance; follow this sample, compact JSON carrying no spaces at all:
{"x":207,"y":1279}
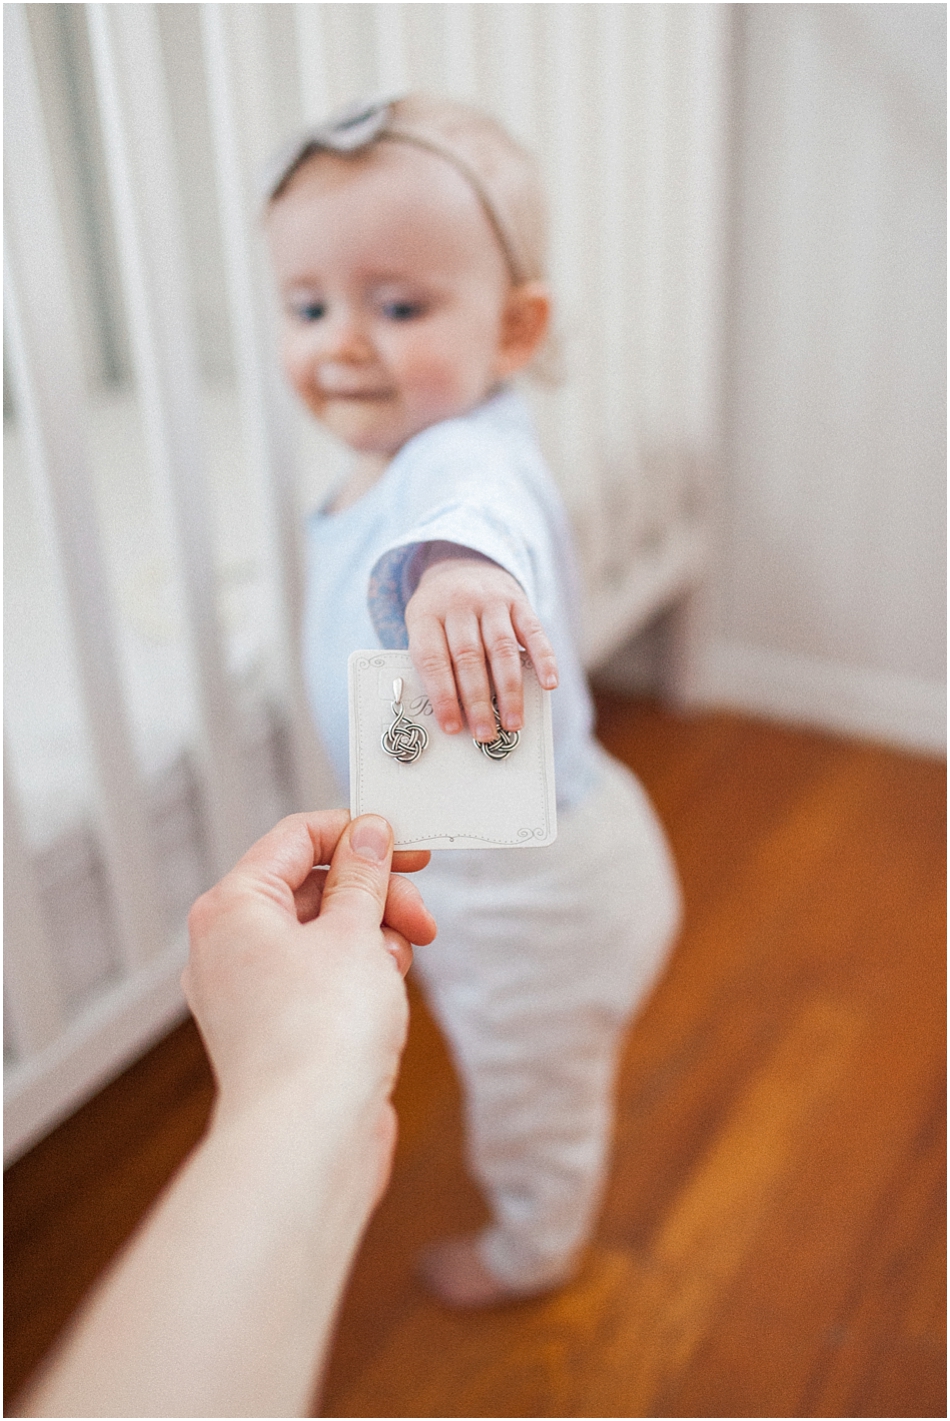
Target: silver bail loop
{"x":404,"y":740}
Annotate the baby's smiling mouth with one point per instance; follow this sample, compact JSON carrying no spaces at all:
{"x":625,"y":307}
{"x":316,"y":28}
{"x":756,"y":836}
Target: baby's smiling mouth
{"x":359,"y":396}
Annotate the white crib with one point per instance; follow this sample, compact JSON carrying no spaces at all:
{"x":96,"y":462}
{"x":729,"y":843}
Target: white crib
{"x":157,"y":475}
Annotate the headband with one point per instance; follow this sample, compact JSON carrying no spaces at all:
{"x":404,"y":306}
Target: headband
{"x":362,"y":124}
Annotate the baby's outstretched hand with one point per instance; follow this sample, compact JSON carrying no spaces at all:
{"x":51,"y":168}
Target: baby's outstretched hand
{"x":466,"y":620}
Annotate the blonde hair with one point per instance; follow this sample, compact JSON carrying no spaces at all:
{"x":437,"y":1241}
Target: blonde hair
{"x":506,"y":170}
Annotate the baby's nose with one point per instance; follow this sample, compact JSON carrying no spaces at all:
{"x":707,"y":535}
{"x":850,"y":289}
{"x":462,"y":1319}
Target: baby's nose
{"x":343,"y":337}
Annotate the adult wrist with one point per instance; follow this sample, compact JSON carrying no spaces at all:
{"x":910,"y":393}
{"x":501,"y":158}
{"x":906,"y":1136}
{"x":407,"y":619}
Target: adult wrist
{"x":314,"y":1101}
{"x":327,"y":1148}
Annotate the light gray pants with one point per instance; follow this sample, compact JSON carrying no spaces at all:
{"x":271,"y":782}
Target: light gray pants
{"x":542,"y":957}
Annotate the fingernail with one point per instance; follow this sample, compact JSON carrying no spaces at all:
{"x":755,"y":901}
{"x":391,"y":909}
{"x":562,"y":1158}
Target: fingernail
{"x":451,"y":727}
{"x":371,"y":839}
{"x":513,"y":722}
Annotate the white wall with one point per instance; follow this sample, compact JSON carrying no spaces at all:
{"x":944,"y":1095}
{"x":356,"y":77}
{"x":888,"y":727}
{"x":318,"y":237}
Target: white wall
{"x":828,"y":600}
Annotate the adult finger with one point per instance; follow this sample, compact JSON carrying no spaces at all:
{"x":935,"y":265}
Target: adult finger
{"x":297,"y":843}
{"x":405,"y":909}
{"x":410,"y":860}
{"x":532,"y":636}
{"x":276,"y":866}
{"x":400,"y":949}
{"x":309,"y":895}
{"x":357,"y":883}
{"x":464,"y":636}
{"x":430,"y":656}
{"x":504,"y":655}
{"x":407,"y":913}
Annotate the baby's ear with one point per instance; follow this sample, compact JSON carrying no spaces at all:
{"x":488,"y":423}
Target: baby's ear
{"x":524,"y":324}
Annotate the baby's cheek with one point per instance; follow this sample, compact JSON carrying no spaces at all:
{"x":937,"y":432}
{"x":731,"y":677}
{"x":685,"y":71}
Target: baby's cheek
{"x":298,"y":372}
{"x":444,"y":380}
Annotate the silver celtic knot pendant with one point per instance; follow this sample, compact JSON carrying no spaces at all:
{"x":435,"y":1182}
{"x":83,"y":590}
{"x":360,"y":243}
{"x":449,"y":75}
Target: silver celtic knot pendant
{"x":403,"y":741}
{"x":504,"y":742}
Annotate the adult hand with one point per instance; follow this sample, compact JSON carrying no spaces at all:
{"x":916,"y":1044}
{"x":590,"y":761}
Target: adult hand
{"x":295,"y":969}
{"x":467,"y":620}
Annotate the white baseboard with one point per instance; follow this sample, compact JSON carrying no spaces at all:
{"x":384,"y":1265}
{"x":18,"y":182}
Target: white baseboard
{"x":877,"y":705}
{"x":115,"y":1030}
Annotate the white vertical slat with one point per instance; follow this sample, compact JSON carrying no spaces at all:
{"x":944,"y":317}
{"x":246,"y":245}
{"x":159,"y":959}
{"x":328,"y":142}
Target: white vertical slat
{"x":312,"y":62}
{"x":613,"y":306}
{"x":615,"y":224}
{"x":565,"y":104}
{"x":460,"y":74}
{"x":707,"y":184}
{"x":34,"y":996}
{"x":653,"y":328}
{"x":44,"y":351}
{"x":513,"y":53}
{"x":265,"y":429}
{"x":565,"y":171}
{"x":700,"y":272}
{"x":679,"y":237}
{"x":389,"y":29}
{"x":139,"y":157}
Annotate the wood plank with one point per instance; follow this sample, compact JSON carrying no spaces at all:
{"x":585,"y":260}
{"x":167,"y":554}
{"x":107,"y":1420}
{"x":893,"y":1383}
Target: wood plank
{"x":884,"y":1351}
{"x":651,"y":1317}
{"x":824,"y":1239}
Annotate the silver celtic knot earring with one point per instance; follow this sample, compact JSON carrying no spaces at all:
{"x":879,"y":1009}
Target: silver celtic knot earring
{"x":504,"y":742}
{"x":403,"y":741}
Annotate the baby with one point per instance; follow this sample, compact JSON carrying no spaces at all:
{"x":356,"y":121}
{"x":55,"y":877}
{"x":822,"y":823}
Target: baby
{"x":408,"y":243}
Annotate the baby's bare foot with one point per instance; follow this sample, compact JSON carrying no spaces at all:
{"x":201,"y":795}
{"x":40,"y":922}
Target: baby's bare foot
{"x":452,"y":1269}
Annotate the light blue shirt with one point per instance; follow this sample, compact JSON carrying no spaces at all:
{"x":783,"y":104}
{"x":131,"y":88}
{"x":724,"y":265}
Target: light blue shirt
{"x":479,"y":481}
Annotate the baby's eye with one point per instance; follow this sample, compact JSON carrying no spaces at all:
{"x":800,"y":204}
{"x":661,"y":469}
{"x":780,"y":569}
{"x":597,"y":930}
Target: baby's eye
{"x":309,"y":310}
{"x":403,"y":310}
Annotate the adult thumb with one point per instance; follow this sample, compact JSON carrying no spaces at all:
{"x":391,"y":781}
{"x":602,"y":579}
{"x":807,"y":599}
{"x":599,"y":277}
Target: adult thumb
{"x":358,"y":878}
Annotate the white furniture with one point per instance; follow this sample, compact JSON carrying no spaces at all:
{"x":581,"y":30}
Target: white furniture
{"x":157,"y":477}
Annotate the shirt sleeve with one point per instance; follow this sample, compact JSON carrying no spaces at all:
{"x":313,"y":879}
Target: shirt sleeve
{"x":465,"y":486}
{"x":468,"y":526}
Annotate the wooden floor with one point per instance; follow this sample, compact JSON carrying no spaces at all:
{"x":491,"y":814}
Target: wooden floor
{"x":772,"y":1242}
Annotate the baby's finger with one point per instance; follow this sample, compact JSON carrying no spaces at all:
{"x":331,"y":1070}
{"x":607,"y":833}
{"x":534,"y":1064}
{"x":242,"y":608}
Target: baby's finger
{"x":464,"y":636}
{"x":430,"y":656}
{"x":532,"y":636}
{"x":504,"y":656}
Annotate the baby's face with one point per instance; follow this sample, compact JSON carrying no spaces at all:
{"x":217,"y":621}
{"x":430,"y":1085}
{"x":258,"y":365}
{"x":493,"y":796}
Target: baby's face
{"x":393,"y":290}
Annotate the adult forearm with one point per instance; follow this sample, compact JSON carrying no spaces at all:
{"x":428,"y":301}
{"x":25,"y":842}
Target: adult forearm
{"x":223,"y":1303}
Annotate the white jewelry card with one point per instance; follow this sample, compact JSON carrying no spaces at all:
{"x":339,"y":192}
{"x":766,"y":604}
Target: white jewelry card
{"x":451,"y":795}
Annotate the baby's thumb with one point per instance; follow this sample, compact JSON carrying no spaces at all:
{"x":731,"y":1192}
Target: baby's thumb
{"x":358,"y":877}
